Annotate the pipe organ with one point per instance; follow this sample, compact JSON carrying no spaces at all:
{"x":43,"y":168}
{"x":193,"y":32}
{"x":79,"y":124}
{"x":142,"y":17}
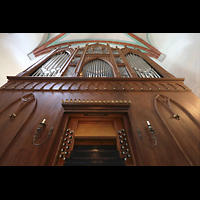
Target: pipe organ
{"x":53,"y":67}
{"x":98,"y":105}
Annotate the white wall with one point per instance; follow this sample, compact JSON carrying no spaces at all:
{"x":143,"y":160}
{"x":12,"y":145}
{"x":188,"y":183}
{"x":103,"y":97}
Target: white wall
{"x":183,"y":56}
{"x":13,"y":52}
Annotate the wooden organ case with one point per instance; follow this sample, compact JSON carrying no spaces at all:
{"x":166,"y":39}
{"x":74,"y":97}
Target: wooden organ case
{"x":98,"y":105}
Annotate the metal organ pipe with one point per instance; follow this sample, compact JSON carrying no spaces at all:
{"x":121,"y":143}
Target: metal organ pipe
{"x":60,"y":65}
{"x":130,"y":60}
{"x":51,"y":69}
{"x":141,"y":67}
{"x":133,"y":65}
{"x":97,"y":68}
{"x":53,"y":66}
{"x":40,"y":72}
{"x":54,"y":70}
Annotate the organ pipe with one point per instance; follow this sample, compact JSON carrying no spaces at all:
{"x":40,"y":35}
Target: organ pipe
{"x":142,"y":68}
{"x":53,"y":66}
{"x":97,"y":68}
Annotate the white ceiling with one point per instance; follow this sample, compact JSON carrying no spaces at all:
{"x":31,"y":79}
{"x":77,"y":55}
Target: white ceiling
{"x":123,"y":37}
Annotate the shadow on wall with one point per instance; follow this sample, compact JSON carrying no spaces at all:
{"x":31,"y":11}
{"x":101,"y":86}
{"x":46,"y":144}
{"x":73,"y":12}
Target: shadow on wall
{"x":191,"y":79}
{"x":183,"y":60}
{"x":13,"y":53}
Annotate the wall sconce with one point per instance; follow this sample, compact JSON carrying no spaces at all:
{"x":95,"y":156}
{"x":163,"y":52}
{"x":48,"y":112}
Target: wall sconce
{"x":152,"y":132}
{"x":38,"y":132}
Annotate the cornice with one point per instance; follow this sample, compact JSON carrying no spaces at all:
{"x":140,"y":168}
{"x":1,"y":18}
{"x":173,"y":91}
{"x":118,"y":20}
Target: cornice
{"x":79,"y":84}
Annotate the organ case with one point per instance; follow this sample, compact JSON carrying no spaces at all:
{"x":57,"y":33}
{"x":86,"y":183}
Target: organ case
{"x":106,"y":90}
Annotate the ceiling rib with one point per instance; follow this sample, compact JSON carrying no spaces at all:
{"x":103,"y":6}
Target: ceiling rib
{"x":47,"y":47}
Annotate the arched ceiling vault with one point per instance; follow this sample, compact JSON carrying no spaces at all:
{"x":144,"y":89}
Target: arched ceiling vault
{"x":132,"y":40}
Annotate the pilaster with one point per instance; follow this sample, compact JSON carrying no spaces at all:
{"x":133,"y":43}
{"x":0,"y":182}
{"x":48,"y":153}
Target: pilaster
{"x":116,"y":71}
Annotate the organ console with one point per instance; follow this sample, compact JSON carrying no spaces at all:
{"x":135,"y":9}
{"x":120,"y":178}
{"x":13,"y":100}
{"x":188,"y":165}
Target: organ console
{"x":72,"y":144}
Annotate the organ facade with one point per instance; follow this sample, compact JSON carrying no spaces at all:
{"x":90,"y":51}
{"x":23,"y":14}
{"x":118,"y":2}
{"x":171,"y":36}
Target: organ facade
{"x":98,"y":105}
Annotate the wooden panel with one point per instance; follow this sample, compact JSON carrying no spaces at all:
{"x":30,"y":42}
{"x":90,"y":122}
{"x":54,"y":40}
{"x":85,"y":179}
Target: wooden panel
{"x":13,"y":117}
{"x":95,"y":128}
{"x":50,"y":92}
{"x":21,"y":150}
{"x":188,"y":127}
{"x":95,"y":141}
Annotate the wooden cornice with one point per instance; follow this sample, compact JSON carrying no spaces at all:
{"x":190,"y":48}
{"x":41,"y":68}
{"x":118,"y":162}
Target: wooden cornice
{"x":88,"y":104}
{"x":102,"y":79}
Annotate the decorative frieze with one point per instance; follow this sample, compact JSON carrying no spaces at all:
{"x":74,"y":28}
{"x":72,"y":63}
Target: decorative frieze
{"x":95,"y":84}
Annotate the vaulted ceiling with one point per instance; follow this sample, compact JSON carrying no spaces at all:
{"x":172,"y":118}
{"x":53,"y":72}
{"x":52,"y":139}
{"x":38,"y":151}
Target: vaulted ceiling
{"x":132,"y":40}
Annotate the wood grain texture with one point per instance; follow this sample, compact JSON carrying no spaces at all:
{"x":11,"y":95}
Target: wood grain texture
{"x":177,"y":140}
